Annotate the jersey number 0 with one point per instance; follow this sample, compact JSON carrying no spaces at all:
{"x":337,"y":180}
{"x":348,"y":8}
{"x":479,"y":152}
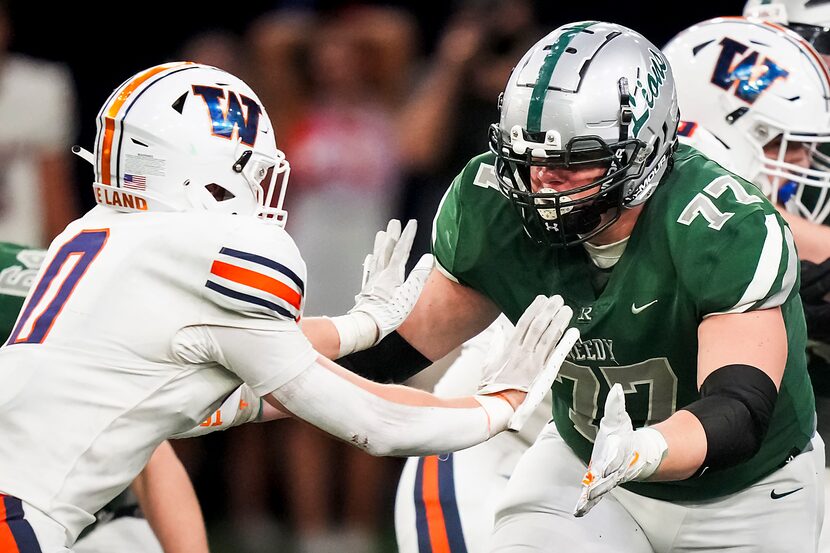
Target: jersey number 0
{"x":56,"y":285}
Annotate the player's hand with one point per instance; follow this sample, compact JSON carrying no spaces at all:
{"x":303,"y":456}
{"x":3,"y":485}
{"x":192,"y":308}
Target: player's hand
{"x":385,"y":295}
{"x":385,"y":298}
{"x":620,"y":454}
{"x":532,"y":356}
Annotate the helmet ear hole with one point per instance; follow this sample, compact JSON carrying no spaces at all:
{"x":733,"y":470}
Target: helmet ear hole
{"x":219,"y":192}
{"x":178,"y":105}
{"x":654,"y":151}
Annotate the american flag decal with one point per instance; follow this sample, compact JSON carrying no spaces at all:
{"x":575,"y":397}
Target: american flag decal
{"x":136,"y":182}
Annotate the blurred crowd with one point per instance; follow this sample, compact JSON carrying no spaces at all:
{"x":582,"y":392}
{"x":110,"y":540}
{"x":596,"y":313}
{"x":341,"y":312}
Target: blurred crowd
{"x":373,"y":128}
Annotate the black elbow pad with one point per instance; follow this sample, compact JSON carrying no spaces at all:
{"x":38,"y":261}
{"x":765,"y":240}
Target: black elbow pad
{"x":735,"y":409}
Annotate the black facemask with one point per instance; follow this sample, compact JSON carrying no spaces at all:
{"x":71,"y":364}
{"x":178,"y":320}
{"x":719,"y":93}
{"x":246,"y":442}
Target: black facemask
{"x":552,"y":218}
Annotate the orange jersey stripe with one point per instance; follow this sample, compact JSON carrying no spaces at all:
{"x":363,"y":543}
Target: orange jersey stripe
{"x":7,"y":542}
{"x":115,"y":106}
{"x":432,"y":505}
{"x":258,"y":281}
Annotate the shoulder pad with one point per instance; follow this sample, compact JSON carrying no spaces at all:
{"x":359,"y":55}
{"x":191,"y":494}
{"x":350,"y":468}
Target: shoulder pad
{"x":258,"y":272}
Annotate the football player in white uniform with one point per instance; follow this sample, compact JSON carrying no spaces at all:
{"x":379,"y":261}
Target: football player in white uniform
{"x":755,"y":98}
{"x":154,"y":307}
{"x":455,"y":495}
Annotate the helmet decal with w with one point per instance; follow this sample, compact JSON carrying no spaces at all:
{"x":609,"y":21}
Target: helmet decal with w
{"x":225,"y":121}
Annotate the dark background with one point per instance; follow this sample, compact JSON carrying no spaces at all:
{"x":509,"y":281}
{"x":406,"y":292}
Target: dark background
{"x":104,"y":44}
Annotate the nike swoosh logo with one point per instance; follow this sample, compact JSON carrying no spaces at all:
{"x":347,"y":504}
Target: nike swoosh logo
{"x":637,"y":310}
{"x":774,"y":495}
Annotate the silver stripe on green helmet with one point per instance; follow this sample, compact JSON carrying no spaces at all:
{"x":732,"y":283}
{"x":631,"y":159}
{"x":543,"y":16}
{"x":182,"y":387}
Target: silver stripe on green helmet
{"x":588,"y":94}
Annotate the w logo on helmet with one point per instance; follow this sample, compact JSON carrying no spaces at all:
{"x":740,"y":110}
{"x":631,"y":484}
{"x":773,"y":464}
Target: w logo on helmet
{"x":225,"y":120}
{"x":753,"y":76}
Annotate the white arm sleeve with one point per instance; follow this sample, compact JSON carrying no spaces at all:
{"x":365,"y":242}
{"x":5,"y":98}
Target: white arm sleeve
{"x":381,"y":426}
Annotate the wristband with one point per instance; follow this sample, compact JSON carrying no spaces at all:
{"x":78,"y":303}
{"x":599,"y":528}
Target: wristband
{"x":499,"y":411}
{"x":358,"y":331}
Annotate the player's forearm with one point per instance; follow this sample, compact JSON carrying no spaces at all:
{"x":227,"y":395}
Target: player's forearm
{"x":169,"y":502}
{"x":687,"y":447}
{"x":390,"y":420}
{"x":447,"y":315}
{"x":323,"y":335}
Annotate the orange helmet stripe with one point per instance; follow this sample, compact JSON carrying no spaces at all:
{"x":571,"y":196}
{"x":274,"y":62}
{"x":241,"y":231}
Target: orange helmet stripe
{"x":116,"y":105}
{"x":807,"y":46}
{"x":7,"y":541}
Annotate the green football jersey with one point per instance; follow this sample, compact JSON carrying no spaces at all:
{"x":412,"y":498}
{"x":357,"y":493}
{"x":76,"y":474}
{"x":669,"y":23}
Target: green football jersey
{"x":706,"y":242}
{"x":18,"y":268}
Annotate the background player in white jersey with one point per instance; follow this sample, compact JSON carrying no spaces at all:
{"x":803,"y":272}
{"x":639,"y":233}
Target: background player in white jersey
{"x":455,"y":495}
{"x":181,"y":285}
{"x":810,"y":19}
{"x":754,"y":99}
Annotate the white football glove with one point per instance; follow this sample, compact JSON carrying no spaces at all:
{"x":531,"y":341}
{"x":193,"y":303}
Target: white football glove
{"x":385,"y":298}
{"x":621,"y":454}
{"x":241,"y":407}
{"x":532,"y":356}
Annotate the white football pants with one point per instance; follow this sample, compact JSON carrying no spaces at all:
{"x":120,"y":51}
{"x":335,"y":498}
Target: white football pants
{"x":452,"y":499}
{"x":536,"y":513}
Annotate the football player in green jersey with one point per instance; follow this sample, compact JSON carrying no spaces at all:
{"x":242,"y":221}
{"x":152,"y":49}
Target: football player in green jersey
{"x":688,"y":392}
{"x":176,"y":522}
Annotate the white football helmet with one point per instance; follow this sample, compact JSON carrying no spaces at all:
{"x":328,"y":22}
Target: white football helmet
{"x":812,"y":12}
{"x":588,"y":94}
{"x":184,"y":136}
{"x":750,"y":82}
{"x":808,"y":18}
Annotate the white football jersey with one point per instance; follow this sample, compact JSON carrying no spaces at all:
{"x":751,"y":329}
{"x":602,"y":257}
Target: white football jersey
{"x":138,"y":327}
{"x":701,"y":139}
